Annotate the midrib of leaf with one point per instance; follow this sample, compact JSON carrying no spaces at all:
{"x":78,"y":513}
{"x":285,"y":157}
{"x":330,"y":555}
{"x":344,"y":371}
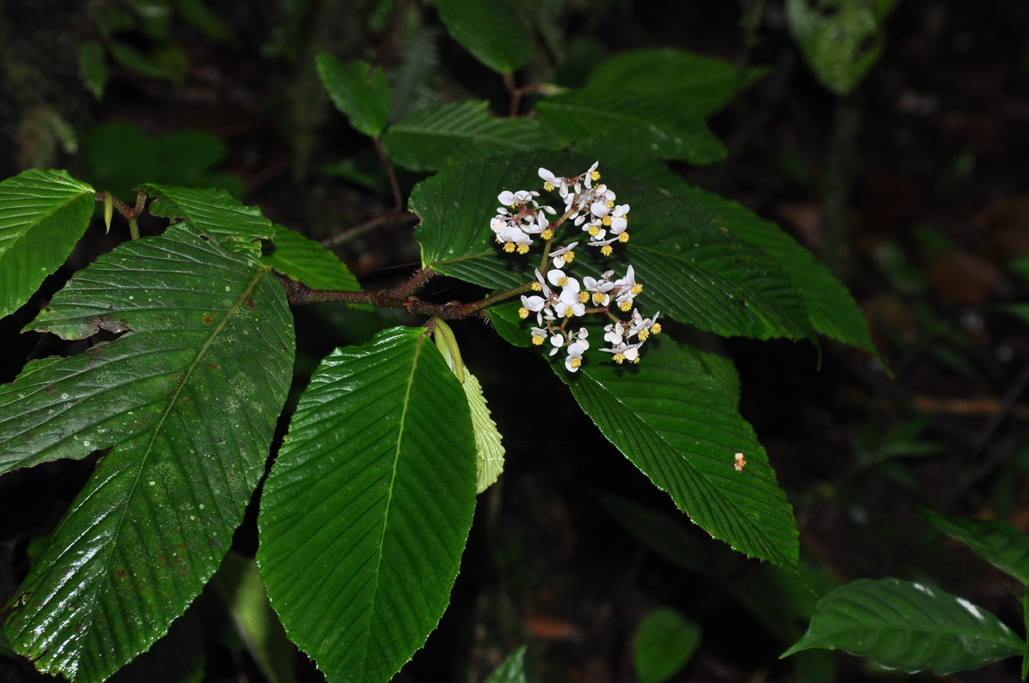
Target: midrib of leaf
{"x":392,"y":480}
{"x":24,"y":234}
{"x":164,"y":416}
{"x":456,"y":259}
{"x":700,"y":478}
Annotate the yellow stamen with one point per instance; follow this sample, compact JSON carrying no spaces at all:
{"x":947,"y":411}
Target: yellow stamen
{"x":618,"y":358}
{"x":548,"y":187}
{"x":509,"y":247}
{"x":623,"y":238}
{"x":584,"y":297}
{"x":569,"y":256}
{"x":547,"y":234}
{"x":575,"y":362}
{"x":562,"y":281}
{"x":606,"y":250}
{"x":523,"y":313}
{"x":537,"y":339}
{"x":593,"y":230}
{"x":514,"y":207}
{"x":656,"y":328}
{"x":537,"y":287}
{"x":626,"y":306}
{"x":643,"y":335}
{"x":523,"y":248}
{"x":598,"y":298}
{"x":595,"y":175}
{"x":636,"y":360}
{"x":610,"y":204}
{"x":568,"y":312}
{"x":499,"y":241}
{"x":637,"y":288}
{"x":607,"y":220}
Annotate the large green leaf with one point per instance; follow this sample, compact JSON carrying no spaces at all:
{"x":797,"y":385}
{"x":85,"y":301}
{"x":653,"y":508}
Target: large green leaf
{"x":42,"y":215}
{"x":214,"y":213}
{"x":449,"y":134}
{"x":359,"y":91}
{"x":308,"y":262}
{"x":658,"y":125}
{"x":997,"y":542}
{"x":491,"y":31}
{"x":366,"y":512}
{"x":841,"y":39}
{"x":186,"y":401}
{"x":690,"y":269}
{"x":908,"y":626}
{"x":697,"y":81}
{"x":674,"y":421}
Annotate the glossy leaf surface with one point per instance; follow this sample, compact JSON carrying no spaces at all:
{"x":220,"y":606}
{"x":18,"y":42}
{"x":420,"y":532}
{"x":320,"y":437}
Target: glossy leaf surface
{"x":453,"y":133}
{"x":42,"y":215}
{"x":997,"y":542}
{"x":214,"y":213}
{"x":491,"y":31}
{"x":187,"y":401}
{"x":662,"y":126}
{"x":908,"y":626}
{"x":359,"y":91}
{"x":365,"y":514}
{"x":697,"y":81}
{"x":306,"y":261}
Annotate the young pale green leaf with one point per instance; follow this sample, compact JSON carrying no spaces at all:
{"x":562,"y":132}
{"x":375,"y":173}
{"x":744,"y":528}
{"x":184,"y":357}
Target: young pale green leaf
{"x":176,"y":657}
{"x":306,"y":261}
{"x":997,"y":542}
{"x":665,"y":640}
{"x":358,"y":90}
{"x":365,"y":514}
{"x":840,"y":39}
{"x":185,"y":403}
{"x":662,"y":126}
{"x":908,"y":626}
{"x":239,"y":586}
{"x":690,"y":269}
{"x":42,"y":215}
{"x":214,"y":213}
{"x":491,"y":31}
{"x":511,"y":670}
{"x":453,"y":133}
{"x":674,"y":421}
{"x":697,"y":81}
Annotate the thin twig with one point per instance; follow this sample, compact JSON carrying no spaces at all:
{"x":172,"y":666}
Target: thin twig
{"x":398,"y":202}
{"x":516,"y":94}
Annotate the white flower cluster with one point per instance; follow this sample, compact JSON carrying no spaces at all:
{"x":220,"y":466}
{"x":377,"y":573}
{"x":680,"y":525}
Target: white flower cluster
{"x":593,"y":209}
{"x":514,"y":227}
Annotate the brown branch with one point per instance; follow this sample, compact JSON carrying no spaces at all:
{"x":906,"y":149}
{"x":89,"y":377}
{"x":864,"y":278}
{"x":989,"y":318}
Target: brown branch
{"x":398,"y":201}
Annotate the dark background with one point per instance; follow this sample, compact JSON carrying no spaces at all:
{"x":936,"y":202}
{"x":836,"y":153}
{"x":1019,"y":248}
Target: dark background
{"x":935,"y":189}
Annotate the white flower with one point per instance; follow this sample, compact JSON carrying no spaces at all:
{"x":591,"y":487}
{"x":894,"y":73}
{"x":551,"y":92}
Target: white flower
{"x":564,"y":255}
{"x":568,"y":303}
{"x":618,"y":220}
{"x":558,"y":340}
{"x":558,"y":278}
{"x":574,"y":359}
{"x":533,"y":303}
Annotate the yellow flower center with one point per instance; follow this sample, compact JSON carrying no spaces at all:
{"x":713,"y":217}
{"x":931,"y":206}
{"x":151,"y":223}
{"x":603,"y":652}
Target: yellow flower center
{"x":537,"y":287}
{"x":618,"y":358}
{"x":536,"y":338}
{"x":568,"y":312}
{"x":514,"y":207}
{"x":548,"y":187}
{"x":636,"y":360}
{"x":509,"y":247}
{"x":623,"y":238}
{"x":637,"y":288}
{"x":610,"y":204}
{"x":643,"y":335}
{"x":607,"y":220}
{"x":656,"y":328}
{"x":569,"y":256}
{"x":547,"y":234}
{"x":594,"y":230}
{"x":598,"y":298}
{"x":523,"y":248}
{"x":584,"y":297}
{"x":626,"y":306}
{"x":595,"y":175}
{"x":523,"y":312}
{"x":606,"y":250}
{"x":562,"y":281}
{"x":575,"y":362}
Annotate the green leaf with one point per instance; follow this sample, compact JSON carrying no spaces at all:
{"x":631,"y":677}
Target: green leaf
{"x":358,"y":90}
{"x":840,"y":39}
{"x":200,"y":17}
{"x":662,"y":126}
{"x":665,"y":640}
{"x":690,"y":269}
{"x":185,"y":403}
{"x":1017,"y":310}
{"x":93,"y":67}
{"x":42,"y":215}
{"x":239,"y":585}
{"x":214,"y":213}
{"x":306,"y":261}
{"x":491,"y":31}
{"x":449,"y":134}
{"x":997,"y":542}
{"x":908,"y":626}
{"x":177,"y":657}
{"x":511,"y":670}
{"x":697,"y":81}
{"x":134,"y":60}
{"x":365,"y":514}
